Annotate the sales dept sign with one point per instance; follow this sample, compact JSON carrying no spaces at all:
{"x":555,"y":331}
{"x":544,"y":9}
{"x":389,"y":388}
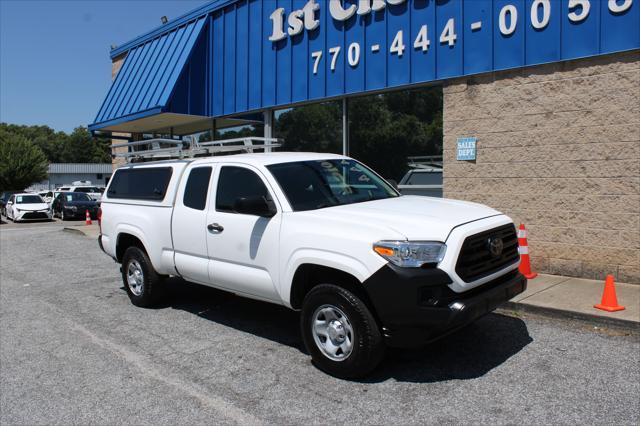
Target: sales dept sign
{"x":466,"y":149}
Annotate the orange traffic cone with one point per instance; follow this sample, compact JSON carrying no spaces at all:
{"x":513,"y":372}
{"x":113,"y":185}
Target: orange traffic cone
{"x":87,"y":218}
{"x":523,"y":249}
{"x":609,"y":299}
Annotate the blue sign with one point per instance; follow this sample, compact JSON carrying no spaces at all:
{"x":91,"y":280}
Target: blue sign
{"x":466,"y":149}
{"x":249,"y":55}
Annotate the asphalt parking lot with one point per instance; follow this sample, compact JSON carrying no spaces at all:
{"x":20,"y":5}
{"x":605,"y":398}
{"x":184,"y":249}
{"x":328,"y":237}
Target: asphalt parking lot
{"x":73,"y":350}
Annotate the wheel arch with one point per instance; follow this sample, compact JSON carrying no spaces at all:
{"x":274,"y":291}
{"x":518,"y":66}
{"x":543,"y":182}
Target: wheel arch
{"x":125,"y":240}
{"x":309,"y":275}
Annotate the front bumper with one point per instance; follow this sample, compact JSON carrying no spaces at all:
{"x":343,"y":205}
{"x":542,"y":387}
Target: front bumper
{"x":81,"y":213}
{"x":416,"y":306}
{"x":26,"y":215}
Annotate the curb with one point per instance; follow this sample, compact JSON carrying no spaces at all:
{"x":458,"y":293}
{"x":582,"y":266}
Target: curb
{"x":560,"y":313}
{"x":73,"y":230}
{"x":77,"y":231}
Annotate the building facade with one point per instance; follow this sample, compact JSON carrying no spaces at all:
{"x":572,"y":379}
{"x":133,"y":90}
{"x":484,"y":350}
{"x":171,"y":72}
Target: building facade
{"x":541,"y":98}
{"x":62,"y":174}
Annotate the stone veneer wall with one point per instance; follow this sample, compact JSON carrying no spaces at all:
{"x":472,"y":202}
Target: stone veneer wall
{"x":558,"y":150}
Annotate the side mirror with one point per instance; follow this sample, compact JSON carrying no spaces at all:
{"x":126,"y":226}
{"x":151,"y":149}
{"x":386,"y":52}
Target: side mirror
{"x":255,"y":205}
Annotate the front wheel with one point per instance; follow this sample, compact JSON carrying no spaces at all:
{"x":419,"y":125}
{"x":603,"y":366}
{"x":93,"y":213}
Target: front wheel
{"x":142,"y":282}
{"x":340,"y":332}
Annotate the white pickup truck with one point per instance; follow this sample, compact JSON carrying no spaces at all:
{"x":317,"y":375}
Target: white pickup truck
{"x":319,"y":233}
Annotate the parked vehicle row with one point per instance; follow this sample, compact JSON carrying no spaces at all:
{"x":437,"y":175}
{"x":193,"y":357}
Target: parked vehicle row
{"x":28,"y":206}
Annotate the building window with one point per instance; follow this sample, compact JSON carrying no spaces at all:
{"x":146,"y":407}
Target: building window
{"x":310,"y":128}
{"x":397,"y":131}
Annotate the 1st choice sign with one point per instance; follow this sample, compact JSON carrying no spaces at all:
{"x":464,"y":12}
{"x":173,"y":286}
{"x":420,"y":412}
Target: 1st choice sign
{"x":539,"y":16}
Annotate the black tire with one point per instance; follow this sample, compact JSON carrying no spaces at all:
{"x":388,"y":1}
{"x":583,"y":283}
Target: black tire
{"x":150,"y":291}
{"x":368,"y":347}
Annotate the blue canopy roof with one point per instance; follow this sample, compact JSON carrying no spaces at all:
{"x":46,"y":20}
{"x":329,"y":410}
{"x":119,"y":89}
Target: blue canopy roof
{"x":145,"y":83}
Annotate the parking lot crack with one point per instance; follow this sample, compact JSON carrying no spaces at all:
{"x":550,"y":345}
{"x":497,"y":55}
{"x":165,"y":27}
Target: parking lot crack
{"x":143,"y":364}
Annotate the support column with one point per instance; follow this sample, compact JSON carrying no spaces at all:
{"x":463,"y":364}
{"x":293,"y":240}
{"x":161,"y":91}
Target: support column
{"x":268,"y":126}
{"x":345,"y":127}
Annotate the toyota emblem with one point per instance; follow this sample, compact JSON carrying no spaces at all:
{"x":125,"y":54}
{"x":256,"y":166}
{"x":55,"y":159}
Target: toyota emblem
{"x":496,"y":245}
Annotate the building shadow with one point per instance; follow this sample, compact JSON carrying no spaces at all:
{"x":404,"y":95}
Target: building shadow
{"x":466,"y":354}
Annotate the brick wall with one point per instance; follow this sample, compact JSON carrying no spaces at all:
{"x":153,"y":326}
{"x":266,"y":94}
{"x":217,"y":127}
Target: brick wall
{"x":558,"y":150}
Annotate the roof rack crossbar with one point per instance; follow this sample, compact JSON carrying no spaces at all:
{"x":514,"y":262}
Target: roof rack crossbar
{"x":148,"y":142}
{"x":193,"y":148}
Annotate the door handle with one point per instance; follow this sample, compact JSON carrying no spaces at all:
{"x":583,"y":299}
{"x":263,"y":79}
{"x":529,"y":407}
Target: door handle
{"x":215,"y":227}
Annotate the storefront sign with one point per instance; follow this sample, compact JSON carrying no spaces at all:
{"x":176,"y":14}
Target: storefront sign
{"x":466,"y":149}
{"x":248,"y":55}
{"x":268,"y":54}
{"x":274,"y":53}
{"x":307,"y":18}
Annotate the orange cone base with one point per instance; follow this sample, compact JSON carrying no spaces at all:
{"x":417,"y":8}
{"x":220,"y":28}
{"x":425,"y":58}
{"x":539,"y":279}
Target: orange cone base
{"x":531,"y":275}
{"x":609,"y":308}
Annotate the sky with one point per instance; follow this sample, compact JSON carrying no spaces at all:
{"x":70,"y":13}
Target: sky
{"x":55,"y":67}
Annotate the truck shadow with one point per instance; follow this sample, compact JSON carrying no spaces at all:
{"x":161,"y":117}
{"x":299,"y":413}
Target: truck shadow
{"x":466,"y":354}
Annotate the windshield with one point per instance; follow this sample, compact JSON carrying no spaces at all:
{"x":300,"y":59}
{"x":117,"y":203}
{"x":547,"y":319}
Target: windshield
{"x":311,"y":185}
{"x":77,"y":196}
{"x":86,"y":189}
{"x":29,"y":199}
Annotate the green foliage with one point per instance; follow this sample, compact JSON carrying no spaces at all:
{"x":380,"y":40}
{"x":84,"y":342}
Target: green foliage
{"x":314,"y":128}
{"x":59,"y":147}
{"x":384,"y":129}
{"x":22,"y":163}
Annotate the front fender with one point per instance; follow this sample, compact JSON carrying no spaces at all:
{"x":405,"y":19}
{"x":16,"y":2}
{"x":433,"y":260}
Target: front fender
{"x":335,"y":260}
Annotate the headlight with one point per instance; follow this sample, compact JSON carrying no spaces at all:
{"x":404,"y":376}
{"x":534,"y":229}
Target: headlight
{"x":74,"y":208}
{"x":18,"y":209}
{"x":410,"y":254}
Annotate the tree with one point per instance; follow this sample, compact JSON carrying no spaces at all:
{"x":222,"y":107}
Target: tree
{"x":78,"y":147}
{"x":22,"y":164}
{"x":315,"y":128}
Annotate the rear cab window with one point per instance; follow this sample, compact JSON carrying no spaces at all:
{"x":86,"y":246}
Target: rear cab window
{"x":197,"y":188}
{"x":144,"y":183}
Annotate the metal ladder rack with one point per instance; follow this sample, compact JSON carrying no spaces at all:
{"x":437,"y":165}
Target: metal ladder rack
{"x":425,"y":162}
{"x":182,"y":149}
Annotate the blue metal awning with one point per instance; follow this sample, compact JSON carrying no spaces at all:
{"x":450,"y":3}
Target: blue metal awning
{"x":145,"y":83}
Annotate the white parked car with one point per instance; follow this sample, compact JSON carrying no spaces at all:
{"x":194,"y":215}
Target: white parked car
{"x":319,"y":233}
{"x":27,"y":206}
{"x":92,"y":191}
{"x":49,"y":196}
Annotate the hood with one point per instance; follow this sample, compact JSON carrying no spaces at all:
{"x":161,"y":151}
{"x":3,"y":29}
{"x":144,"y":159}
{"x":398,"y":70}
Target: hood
{"x":414,"y":217}
{"x":32,"y":206}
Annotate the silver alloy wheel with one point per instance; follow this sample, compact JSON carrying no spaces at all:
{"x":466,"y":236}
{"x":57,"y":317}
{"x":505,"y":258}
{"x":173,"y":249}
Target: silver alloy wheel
{"x":135,"y":277}
{"x":332,"y":332}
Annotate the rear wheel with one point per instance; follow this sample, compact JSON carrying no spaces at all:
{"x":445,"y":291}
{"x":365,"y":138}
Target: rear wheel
{"x":142,"y":282}
{"x":340,"y":332}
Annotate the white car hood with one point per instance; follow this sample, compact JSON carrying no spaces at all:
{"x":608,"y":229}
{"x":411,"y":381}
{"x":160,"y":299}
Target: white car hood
{"x":414,"y":217}
{"x":32,"y":206}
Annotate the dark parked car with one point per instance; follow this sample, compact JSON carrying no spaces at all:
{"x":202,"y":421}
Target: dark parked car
{"x":74,"y":205}
{"x":4,"y":197}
